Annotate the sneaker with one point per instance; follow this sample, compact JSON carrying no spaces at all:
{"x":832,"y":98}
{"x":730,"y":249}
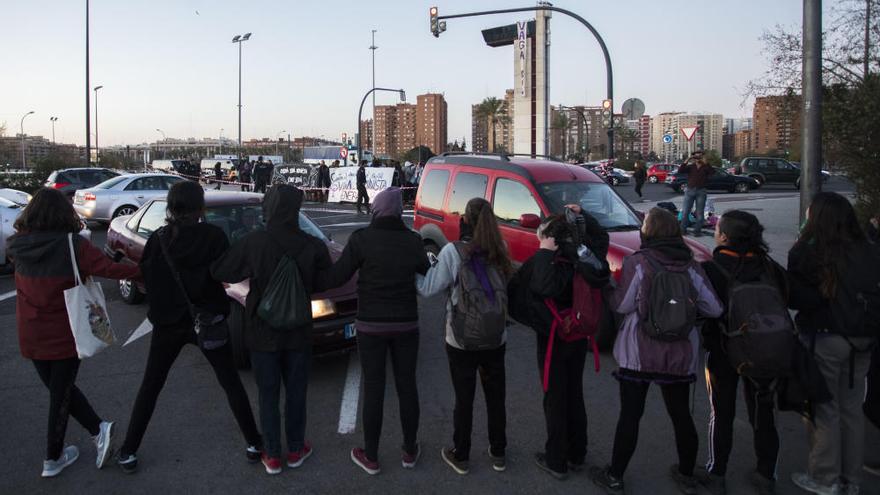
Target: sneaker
{"x":763,"y":485}
{"x":295,"y":459}
{"x":409,"y":460}
{"x":53,"y":468}
{"x":129,"y":464}
{"x":460,"y":467}
{"x":714,"y":483}
{"x":104,"y":442}
{"x":272,"y":464}
{"x":603,"y":479}
{"x":541,"y":462}
{"x":253,"y":454}
{"x":686,"y":484}
{"x":359,"y":457}
{"x":805,"y":482}
{"x":872,"y":468}
{"x":499,"y":463}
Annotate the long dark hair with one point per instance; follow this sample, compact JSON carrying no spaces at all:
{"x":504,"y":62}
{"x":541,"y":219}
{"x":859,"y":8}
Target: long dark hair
{"x":744,"y":232}
{"x":659,"y":223}
{"x":186,"y":203}
{"x":48,"y":211}
{"x":831,"y":227}
{"x":486,"y":238}
{"x":557,"y":227}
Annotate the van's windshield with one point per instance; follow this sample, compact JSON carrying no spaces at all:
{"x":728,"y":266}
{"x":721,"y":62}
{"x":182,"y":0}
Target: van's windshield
{"x":596,"y":198}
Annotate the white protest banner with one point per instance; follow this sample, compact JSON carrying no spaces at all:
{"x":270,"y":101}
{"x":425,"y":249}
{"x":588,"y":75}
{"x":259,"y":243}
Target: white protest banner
{"x":343,"y":182}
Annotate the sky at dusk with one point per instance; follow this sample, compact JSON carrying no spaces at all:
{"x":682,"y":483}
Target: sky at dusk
{"x":170,"y":64}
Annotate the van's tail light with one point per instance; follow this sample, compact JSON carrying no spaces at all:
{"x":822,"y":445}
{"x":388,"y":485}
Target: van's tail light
{"x":89,"y":196}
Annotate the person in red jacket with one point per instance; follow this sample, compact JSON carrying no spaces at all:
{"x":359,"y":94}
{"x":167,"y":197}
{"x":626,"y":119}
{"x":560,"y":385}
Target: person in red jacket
{"x":43,"y":270}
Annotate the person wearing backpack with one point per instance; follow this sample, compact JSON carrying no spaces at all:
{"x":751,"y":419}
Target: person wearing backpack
{"x":835,"y":288}
{"x":544,"y":285}
{"x":474,"y":273}
{"x":753,"y":289}
{"x":279,"y":354}
{"x":661,"y":294}
{"x":387,"y":255}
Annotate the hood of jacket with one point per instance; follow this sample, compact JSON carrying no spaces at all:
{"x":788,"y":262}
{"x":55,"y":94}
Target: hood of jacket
{"x":744,"y":266}
{"x":388,"y":203}
{"x":33,"y":248}
{"x":281,"y":206}
{"x":668,"y":251}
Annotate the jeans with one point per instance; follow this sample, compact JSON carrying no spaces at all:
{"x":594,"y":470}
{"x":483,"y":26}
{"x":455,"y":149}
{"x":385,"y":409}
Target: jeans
{"x":463,"y":366}
{"x":65,"y":400}
{"x":404,"y":350}
{"x":696,"y":196}
{"x":564,"y":409}
{"x":722,"y":381}
{"x":632,"y":404}
{"x":165,"y":345}
{"x":363,"y":198}
{"x":271,"y":369}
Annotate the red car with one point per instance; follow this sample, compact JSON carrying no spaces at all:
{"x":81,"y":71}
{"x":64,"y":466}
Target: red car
{"x":657,"y":172}
{"x":522,"y":191}
{"x":238,"y":213}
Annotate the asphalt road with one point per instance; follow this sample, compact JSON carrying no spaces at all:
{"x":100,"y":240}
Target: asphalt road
{"x":193,"y":446}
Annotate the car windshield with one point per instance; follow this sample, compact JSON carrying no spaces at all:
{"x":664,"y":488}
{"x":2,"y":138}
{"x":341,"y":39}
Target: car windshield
{"x":239,"y":220}
{"x":107,"y":184}
{"x":597,"y":198}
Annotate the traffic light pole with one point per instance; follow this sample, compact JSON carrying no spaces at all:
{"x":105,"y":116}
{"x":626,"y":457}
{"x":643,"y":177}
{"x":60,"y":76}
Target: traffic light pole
{"x":608,"y":71}
{"x":811,"y":125}
{"x":360,"y":113}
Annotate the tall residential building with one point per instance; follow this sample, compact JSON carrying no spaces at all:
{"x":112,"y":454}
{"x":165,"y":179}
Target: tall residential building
{"x":742,"y":143}
{"x":732,"y":126}
{"x":707,"y":137}
{"x":481,"y":130}
{"x":366,"y":134}
{"x":776,"y":124}
{"x":431,"y":122}
{"x":400,"y":128}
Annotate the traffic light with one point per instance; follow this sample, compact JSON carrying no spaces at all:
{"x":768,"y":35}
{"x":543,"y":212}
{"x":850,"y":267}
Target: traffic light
{"x":607,"y":113}
{"x":435,"y":23}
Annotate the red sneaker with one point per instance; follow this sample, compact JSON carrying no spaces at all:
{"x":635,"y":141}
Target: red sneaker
{"x":359,"y":457}
{"x":409,"y":460}
{"x":272,"y":464}
{"x":295,"y":459}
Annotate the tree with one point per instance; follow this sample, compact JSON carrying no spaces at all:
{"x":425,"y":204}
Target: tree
{"x":652,"y":157}
{"x":561,"y":123}
{"x":713,"y":158}
{"x":494,"y":111}
{"x":418,"y":154}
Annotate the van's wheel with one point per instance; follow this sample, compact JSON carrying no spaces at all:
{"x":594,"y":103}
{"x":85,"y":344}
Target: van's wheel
{"x":237,"y":328}
{"x":129,"y":292}
{"x":124,"y":210}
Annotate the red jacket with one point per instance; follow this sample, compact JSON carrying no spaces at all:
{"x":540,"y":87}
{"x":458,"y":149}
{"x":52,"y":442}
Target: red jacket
{"x":42,"y":272}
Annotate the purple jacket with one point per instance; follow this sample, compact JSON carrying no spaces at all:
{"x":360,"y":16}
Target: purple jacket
{"x":633,"y":349}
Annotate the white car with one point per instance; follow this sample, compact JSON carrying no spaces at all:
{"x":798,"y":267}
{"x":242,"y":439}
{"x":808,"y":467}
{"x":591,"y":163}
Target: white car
{"x":9,"y":212}
{"x":18,"y":197}
{"x":121,"y":195}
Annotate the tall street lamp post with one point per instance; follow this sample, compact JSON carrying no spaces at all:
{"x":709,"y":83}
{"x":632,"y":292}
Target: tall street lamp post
{"x":88,"y":108}
{"x":97,"y":147}
{"x":360,"y":112}
{"x":53,"y":120}
{"x":240,"y":39}
{"x":21,"y":126}
{"x":163,"y":139}
{"x":373,"y":48}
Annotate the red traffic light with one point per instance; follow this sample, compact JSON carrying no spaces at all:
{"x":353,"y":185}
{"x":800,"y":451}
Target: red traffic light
{"x":433,"y":11}
{"x":606,"y":104}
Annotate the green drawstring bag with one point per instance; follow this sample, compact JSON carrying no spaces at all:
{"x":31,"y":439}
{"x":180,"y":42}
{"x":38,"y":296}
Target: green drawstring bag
{"x":285,"y":304}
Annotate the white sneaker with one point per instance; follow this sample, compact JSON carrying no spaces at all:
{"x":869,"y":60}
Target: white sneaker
{"x":68,"y":456}
{"x":806,"y":482}
{"x":104,"y":443}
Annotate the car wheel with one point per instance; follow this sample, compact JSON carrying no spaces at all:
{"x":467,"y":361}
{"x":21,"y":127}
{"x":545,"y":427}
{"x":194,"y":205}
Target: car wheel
{"x":129,"y":292}
{"x":653,"y":179}
{"x":237,"y":324}
{"x":615,"y":181}
{"x":758,"y":179}
{"x":124,"y":210}
{"x":741,"y":187}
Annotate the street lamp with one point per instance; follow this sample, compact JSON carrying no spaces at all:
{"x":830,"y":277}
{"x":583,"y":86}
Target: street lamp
{"x":53,"y":120}
{"x":163,"y":139}
{"x":97,"y":147}
{"x":276,"y":141}
{"x":360,"y":112}
{"x":240,"y":39}
{"x":373,"y":48}
{"x":88,"y":108}
{"x":21,"y":126}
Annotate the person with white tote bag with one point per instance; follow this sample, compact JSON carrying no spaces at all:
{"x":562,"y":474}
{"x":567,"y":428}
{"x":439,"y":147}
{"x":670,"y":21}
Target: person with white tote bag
{"x":51,"y":258}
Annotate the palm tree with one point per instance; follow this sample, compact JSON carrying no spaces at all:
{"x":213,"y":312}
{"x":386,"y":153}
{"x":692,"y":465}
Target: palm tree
{"x":495,"y":112}
{"x":562,"y":123}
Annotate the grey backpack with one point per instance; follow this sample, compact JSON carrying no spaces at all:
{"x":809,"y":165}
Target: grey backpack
{"x":672,"y":308}
{"x":480,"y":315}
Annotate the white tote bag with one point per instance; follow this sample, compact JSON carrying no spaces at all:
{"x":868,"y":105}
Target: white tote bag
{"x":87,"y":313}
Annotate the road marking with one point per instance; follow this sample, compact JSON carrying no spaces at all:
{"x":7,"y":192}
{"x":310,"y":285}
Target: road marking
{"x":8,"y":295}
{"x":349,"y":408}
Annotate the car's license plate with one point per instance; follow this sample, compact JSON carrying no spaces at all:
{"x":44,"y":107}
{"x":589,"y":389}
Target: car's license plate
{"x":350,"y":331}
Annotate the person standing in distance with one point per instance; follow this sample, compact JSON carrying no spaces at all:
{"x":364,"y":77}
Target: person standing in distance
{"x":698,"y":173}
{"x":361,"y":181}
{"x":218,"y":175}
{"x":324,"y":181}
{"x":640,"y":174}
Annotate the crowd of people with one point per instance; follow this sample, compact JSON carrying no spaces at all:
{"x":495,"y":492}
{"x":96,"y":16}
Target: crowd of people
{"x":672,"y":310}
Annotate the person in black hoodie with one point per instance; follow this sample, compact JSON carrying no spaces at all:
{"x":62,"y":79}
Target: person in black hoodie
{"x":193,"y":245}
{"x":742,"y":253}
{"x":387,"y":256}
{"x":361,"y":180}
{"x":324,"y":181}
{"x":549,"y":274}
{"x":278,"y":355}
{"x":834,"y":273}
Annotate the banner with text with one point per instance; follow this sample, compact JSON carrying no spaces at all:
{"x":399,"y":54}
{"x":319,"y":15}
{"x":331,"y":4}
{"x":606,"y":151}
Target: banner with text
{"x":343,"y":182}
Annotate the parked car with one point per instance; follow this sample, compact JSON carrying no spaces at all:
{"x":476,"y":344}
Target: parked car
{"x":68,"y":180}
{"x":9,"y":212}
{"x":121,"y":195}
{"x":18,"y":197}
{"x":824,"y":173}
{"x":657,"y":172}
{"x":769,"y":171}
{"x":719,"y":181}
{"x":611,"y":175}
{"x":238,"y":213}
{"x":522,"y":191}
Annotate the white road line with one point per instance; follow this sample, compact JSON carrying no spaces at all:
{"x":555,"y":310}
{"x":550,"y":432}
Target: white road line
{"x":349,"y":408}
{"x":8,"y":295}
{"x":346,"y":224}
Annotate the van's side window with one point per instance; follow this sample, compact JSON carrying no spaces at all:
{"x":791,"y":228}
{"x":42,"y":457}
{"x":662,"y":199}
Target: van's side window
{"x":466,"y":187}
{"x":433,"y":189}
{"x":512,"y":200}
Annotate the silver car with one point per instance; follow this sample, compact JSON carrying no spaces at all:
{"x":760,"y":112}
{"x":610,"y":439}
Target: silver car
{"x":121,"y":195}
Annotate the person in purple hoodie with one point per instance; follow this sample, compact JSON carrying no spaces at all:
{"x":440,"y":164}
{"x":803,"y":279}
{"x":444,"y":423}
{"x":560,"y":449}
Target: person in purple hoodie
{"x":643,"y":359}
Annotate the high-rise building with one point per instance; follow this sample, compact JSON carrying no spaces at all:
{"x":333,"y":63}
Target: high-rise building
{"x":366,"y":134}
{"x":431,"y":122}
{"x":742,"y":143}
{"x":707,"y":136}
{"x":400,"y":128}
{"x":776,"y":123}
{"x":479,"y":131}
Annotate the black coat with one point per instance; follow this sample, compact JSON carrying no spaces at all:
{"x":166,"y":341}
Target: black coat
{"x":323,"y":176}
{"x":814,"y":311}
{"x":361,"y":176}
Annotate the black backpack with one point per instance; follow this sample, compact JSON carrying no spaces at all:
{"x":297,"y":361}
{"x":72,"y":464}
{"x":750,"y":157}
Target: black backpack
{"x":855,"y":309}
{"x":285,"y":305}
{"x":672,"y":306}
{"x":758,"y":333}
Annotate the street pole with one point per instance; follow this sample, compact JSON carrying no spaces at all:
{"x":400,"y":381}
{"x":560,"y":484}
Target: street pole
{"x":97,"y":147}
{"x":240,"y":39}
{"x":373,"y":130}
{"x":360,"y":112}
{"x":221,"y":140}
{"x":21,"y":127}
{"x":811,"y":126}
{"x":88,"y":107}
{"x":53,"y":120}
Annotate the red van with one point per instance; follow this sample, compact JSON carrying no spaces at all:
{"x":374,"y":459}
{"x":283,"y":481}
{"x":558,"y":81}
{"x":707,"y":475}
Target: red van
{"x":523,"y":191}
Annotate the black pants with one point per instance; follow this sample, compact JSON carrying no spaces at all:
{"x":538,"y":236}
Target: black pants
{"x":245,"y":185}
{"x":463,"y":366}
{"x":564,"y":409}
{"x":259,"y":186}
{"x":271,"y":369}
{"x":363,"y":198}
{"x":218,"y":179}
{"x":404,"y":350}
{"x":165,"y":346}
{"x":632,"y":404}
{"x":872,"y":394}
{"x":639,"y":185}
{"x":722,"y":380}
{"x":65,"y":399}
